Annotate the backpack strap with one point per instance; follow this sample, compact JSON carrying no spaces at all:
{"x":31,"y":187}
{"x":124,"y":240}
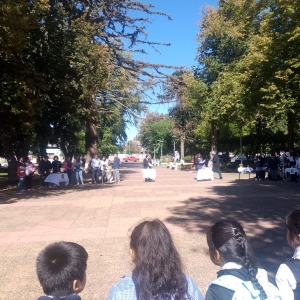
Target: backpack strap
{"x":296,"y":262}
{"x":237,"y":285}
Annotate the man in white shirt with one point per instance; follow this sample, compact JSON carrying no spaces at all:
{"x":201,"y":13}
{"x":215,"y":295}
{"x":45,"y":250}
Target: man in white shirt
{"x":95,"y":164}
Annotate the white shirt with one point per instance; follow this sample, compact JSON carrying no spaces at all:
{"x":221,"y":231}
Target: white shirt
{"x":104,"y":163}
{"x":285,"y":279}
{"x":231,"y":265}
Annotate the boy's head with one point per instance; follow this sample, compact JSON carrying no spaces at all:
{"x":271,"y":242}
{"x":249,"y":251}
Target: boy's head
{"x":61,"y":269}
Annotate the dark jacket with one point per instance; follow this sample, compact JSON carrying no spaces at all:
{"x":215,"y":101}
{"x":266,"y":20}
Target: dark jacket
{"x":145,"y":163}
{"x":56,"y":165}
{"x":69,"y":297}
{"x":260,"y":161}
{"x":215,"y":161}
{"x":273,"y":163}
{"x":216,"y":292}
{"x":45,"y":167}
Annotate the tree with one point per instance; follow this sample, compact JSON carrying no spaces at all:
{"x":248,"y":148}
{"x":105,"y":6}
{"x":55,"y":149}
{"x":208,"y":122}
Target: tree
{"x":156,"y":130}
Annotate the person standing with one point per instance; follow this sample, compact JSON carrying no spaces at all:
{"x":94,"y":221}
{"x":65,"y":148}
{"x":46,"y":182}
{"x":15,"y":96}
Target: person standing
{"x":95,"y":164}
{"x":45,"y":167}
{"x":216,"y":164}
{"x":21,"y":167}
{"x":78,"y":170}
{"x":103,"y":168}
{"x":146,"y":162}
{"x":30,"y":168}
{"x":68,"y":168}
{"x":116,"y":165}
{"x":273,"y":166}
{"x":56,"y":165}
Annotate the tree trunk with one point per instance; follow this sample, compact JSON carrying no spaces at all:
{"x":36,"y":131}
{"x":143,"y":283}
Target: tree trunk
{"x":90,"y":141}
{"x":213,"y":134}
{"x":182,"y":140}
{"x":291,"y":130}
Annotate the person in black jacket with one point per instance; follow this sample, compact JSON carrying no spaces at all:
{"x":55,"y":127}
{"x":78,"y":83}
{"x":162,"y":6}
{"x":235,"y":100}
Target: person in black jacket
{"x":146,"y":162}
{"x":45,"y":167}
{"x":273,"y":166}
{"x":56,"y":164}
{"x":216,"y":164}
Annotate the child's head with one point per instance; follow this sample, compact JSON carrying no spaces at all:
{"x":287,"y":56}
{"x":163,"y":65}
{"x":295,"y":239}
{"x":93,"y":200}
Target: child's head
{"x":227,"y":242}
{"x":292,"y":223}
{"x":61,"y":269}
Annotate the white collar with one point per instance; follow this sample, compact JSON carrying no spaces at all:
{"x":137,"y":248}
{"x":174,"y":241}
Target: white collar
{"x":231,"y":265}
{"x":297,"y":253}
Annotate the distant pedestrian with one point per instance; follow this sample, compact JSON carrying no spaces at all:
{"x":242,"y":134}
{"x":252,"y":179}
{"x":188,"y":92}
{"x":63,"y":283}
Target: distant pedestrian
{"x":95,"y":164}
{"x":116,"y":165}
{"x":30,"y":169}
{"x":21,"y":168}
{"x":68,"y":168}
{"x":216,"y":164}
{"x":78,"y":170}
{"x":45,"y":167}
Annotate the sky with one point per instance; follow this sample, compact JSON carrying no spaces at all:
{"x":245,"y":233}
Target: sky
{"x":181,"y":32}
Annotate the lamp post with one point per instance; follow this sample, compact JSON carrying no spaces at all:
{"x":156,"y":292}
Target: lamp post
{"x":161,"y":142}
{"x":174,"y":136}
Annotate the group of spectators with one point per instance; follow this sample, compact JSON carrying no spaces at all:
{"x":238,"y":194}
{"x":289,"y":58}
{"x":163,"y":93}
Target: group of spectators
{"x":278,"y":162}
{"x":158,"y":270}
{"x":26,"y":170}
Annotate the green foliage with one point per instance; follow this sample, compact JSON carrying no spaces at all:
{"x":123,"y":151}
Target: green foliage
{"x":156,"y":129}
{"x":248,"y":71}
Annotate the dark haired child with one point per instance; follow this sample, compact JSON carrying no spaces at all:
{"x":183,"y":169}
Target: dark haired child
{"x":157,"y":272}
{"x":239,"y":277}
{"x":61,"y":271}
{"x":288,"y":274}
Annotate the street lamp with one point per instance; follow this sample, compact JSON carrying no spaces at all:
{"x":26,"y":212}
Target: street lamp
{"x":174,"y":136}
{"x":161,"y":142}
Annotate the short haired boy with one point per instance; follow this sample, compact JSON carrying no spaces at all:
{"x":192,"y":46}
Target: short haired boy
{"x":61,"y":269}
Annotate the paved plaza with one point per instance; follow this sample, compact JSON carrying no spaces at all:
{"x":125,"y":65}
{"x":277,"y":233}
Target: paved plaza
{"x":99,"y":217}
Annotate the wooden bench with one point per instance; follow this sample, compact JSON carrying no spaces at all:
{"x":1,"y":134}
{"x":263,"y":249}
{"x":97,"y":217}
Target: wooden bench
{"x":186,"y":166}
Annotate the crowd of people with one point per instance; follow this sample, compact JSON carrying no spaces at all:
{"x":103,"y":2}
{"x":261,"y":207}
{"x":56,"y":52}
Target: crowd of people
{"x":276,"y":165}
{"x":26,"y":170}
{"x":158,"y":270}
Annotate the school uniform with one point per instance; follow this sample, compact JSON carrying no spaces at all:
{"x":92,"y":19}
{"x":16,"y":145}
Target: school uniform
{"x":288,"y":278}
{"x":125,"y":289}
{"x":216,"y":291}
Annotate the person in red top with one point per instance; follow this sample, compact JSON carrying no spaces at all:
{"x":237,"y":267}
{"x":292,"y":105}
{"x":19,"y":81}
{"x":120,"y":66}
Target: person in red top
{"x":21,"y":167}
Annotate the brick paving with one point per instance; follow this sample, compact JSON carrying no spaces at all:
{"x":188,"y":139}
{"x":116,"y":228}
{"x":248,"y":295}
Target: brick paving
{"x":100,"y":217}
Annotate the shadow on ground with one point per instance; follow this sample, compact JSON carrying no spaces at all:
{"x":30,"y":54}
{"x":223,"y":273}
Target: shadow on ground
{"x":11,"y":195}
{"x":261,"y":207}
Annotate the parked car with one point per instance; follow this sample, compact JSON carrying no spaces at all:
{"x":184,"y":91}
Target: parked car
{"x":235,"y":164}
{"x":130,"y":158}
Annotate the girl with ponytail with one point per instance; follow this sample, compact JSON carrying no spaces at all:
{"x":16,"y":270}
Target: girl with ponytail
{"x":239,"y":277}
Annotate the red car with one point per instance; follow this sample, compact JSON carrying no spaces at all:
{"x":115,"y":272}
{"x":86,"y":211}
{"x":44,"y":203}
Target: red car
{"x":130,"y":158}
